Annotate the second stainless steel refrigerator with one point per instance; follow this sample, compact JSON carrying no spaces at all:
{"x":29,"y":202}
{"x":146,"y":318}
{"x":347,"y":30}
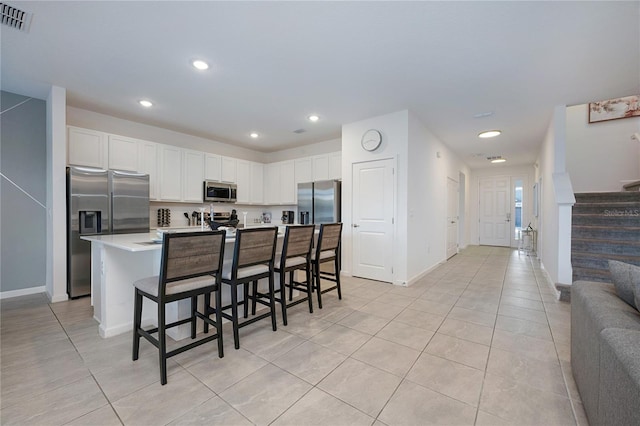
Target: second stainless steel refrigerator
{"x":100,"y":202}
{"x":319,"y":202}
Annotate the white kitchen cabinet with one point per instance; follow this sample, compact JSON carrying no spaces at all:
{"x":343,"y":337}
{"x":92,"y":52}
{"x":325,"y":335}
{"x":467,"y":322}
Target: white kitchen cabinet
{"x":320,"y":167}
{"x":193,"y":169}
{"x":243,"y":182}
{"x":212,"y":167}
{"x":123,"y":153}
{"x":170,"y":173}
{"x":257,"y":183}
{"x":272,"y":183}
{"x":303,"y":170}
{"x":335,"y":165}
{"x":288,"y":185}
{"x":88,"y":148}
{"x":229,"y":172}
{"x":250,"y":182}
{"x":148,"y":163}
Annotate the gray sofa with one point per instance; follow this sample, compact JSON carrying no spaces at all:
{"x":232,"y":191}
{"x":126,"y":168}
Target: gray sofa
{"x":605,"y":354}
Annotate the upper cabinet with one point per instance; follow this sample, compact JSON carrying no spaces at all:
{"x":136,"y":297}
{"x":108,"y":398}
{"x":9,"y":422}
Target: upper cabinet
{"x":170,"y":173}
{"x":87,"y":148}
{"x":257,"y":183}
{"x":280,"y":186}
{"x":243,"y":195}
{"x":193,"y":168}
{"x":250,"y":183}
{"x":148,"y":163}
{"x":177,"y":174}
{"x":123,"y":153}
{"x":229,"y":171}
{"x":212,"y":167}
{"x":320,"y":167}
{"x":303,"y":170}
{"x":272,"y":183}
{"x":335,"y":165}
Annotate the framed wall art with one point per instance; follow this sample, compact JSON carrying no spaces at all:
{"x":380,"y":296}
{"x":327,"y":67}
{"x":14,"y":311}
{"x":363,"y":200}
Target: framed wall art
{"x":614,"y":109}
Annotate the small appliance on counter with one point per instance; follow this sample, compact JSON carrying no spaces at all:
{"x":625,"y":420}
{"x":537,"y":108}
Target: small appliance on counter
{"x":288,"y":217}
{"x":164,"y":217}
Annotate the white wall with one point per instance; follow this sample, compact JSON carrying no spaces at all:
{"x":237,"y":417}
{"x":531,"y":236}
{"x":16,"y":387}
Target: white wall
{"x":552,"y":161}
{"x":56,"y":285}
{"x":325,"y":147}
{"x":105,"y":123}
{"x":421,"y":190}
{"x":394,"y":129}
{"x":525,"y":172}
{"x":430,"y":163}
{"x":599,"y":156}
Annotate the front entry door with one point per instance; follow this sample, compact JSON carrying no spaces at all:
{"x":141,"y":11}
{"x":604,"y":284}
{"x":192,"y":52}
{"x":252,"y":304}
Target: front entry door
{"x":495,"y":211}
{"x":452,"y":217}
{"x":373,"y":201}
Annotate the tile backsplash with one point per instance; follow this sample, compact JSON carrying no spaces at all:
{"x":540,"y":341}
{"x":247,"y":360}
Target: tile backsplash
{"x":178,"y":220}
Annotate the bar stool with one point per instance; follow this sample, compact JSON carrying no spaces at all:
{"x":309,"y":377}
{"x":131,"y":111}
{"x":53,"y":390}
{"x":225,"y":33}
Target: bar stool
{"x":191,"y":266}
{"x":253,"y":259}
{"x":327,"y":250}
{"x":296,"y":255}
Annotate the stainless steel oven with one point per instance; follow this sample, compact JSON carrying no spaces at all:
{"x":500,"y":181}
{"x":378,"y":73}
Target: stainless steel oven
{"x":220,"y":192}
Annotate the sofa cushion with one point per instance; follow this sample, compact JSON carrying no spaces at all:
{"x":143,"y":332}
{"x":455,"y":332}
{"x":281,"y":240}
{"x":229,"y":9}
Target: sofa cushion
{"x":604,"y":307}
{"x":621,"y":275}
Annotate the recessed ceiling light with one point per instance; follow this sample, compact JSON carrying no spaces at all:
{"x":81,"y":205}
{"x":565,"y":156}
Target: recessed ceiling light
{"x":254,"y":135}
{"x":145,"y":103}
{"x":313,"y":118}
{"x":497,"y":159}
{"x":199,"y":64}
{"x":483,"y":114}
{"x":489,"y":134}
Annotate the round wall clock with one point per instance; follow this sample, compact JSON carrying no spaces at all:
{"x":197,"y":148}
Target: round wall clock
{"x":371,"y":140}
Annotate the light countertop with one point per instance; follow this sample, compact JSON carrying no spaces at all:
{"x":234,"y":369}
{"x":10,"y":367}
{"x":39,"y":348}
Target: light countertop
{"x":146,"y":241}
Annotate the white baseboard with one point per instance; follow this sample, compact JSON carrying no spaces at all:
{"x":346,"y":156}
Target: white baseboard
{"x":21,"y":292}
{"x":423,"y":274}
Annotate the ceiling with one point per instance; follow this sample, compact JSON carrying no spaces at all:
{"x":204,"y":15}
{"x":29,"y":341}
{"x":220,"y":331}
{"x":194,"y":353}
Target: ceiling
{"x":274,"y":63}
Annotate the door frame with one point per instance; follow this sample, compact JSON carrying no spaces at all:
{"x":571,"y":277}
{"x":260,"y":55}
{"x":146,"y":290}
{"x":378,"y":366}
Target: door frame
{"x":394,"y":224}
{"x":457,"y":199}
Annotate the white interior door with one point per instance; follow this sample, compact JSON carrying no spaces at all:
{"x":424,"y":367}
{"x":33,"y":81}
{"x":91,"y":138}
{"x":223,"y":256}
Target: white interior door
{"x":452,"y":217}
{"x":373,"y":201}
{"x":495,"y":211}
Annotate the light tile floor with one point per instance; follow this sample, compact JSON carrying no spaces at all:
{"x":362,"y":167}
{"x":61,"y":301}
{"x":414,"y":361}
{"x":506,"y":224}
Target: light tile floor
{"x":480,"y":340}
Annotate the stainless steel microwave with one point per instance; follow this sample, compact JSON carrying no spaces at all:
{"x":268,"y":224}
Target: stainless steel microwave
{"x":220,"y":192}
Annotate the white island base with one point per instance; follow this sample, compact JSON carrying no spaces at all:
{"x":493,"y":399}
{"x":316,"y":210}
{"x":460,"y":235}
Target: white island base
{"x":119,"y":260}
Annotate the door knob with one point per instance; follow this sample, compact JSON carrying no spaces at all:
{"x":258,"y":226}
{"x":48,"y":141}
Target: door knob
{"x":355,"y":225}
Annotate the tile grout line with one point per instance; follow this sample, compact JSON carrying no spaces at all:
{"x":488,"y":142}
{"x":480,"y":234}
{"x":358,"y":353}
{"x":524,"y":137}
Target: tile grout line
{"x":88,"y":369}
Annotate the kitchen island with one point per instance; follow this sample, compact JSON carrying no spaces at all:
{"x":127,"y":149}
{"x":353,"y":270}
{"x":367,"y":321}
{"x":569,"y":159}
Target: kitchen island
{"x":119,"y":260}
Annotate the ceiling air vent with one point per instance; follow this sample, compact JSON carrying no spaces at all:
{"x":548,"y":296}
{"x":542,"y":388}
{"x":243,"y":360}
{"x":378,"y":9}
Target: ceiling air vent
{"x":299,"y":131}
{"x":15,"y":18}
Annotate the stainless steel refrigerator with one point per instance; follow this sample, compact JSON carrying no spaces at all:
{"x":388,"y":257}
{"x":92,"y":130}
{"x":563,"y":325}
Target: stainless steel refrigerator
{"x":319,"y":202}
{"x":100,"y":202}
